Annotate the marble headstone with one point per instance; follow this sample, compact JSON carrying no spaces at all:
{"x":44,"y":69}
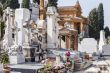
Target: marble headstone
{"x":106,"y":50}
{"x":102,"y":40}
{"x":88,"y":45}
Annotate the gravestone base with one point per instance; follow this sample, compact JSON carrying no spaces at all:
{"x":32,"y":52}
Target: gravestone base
{"x":29,"y":52}
{"x":17,"y":59}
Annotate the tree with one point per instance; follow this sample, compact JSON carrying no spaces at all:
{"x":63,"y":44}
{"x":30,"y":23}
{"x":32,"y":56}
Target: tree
{"x":94,"y":29}
{"x":2,"y":31}
{"x":10,"y":3}
{"x":26,"y":3}
{"x":14,"y":4}
{"x":101,"y":16}
{"x":38,"y":1}
{"x":107,"y":32}
{"x":52,"y":3}
{"x":1,"y":11}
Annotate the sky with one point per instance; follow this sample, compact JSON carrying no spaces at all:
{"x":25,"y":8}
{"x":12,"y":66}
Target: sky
{"x":87,"y":5}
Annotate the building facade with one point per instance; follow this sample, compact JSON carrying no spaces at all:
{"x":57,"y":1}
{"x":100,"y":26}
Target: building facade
{"x":70,"y":18}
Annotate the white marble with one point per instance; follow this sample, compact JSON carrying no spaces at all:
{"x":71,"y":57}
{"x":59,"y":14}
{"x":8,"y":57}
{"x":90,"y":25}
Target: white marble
{"x":28,"y":65}
{"x":35,"y":11}
{"x":8,"y":41}
{"x":52,"y":28}
{"x":106,"y":50}
{"x":102,"y":40}
{"x":88,"y":45}
{"x":22,"y":15}
{"x":16,"y":59}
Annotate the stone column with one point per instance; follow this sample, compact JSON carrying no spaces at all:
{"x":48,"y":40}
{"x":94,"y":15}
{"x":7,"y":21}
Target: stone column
{"x":81,"y":30}
{"x":102,"y":40}
{"x":52,"y":27}
{"x":67,"y":41}
{"x":75,"y":41}
{"x":7,"y":42}
{"x":81,"y":27}
{"x":16,"y":54}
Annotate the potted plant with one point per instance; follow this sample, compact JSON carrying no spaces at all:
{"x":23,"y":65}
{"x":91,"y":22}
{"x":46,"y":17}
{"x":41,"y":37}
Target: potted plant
{"x":4,"y":59}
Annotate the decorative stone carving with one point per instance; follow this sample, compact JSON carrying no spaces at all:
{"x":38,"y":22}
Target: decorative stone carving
{"x":52,"y":28}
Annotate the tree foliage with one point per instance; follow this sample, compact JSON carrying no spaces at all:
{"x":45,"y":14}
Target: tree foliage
{"x":107,"y":32}
{"x":1,"y":11}
{"x":2,"y":31}
{"x":38,"y":1}
{"x":96,"y":21}
{"x":94,"y":29}
{"x":101,"y":16}
{"x":25,"y":3}
{"x":10,"y":3}
{"x":14,"y":4}
{"x":52,"y":3}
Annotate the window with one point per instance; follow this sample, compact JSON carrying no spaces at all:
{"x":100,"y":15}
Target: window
{"x":63,"y":38}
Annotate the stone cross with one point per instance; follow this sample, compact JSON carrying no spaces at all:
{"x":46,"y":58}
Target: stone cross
{"x":20,"y":2}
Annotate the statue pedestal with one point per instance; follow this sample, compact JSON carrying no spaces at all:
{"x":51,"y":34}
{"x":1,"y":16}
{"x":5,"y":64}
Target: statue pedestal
{"x":29,"y":52}
{"x":16,"y":59}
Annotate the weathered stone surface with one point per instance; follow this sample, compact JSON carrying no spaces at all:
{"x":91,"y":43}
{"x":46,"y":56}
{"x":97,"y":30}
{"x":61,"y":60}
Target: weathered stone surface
{"x":102,"y":40}
{"x":106,"y":50}
{"x":16,"y":59}
{"x":88,"y":45}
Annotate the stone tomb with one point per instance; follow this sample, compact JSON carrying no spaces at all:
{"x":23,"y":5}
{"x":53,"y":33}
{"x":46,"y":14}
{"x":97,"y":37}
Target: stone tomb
{"x":106,"y":50}
{"x":88,"y":45}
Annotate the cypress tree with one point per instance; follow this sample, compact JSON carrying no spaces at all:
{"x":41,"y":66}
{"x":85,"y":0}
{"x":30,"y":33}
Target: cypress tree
{"x":25,"y":4}
{"x":14,"y":4}
{"x":10,"y":3}
{"x":107,"y":32}
{"x":52,"y":3}
{"x":38,"y":1}
{"x":101,"y":16}
{"x":94,"y":29}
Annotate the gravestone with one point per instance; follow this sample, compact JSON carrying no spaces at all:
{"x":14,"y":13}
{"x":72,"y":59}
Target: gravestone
{"x":52,"y":28}
{"x":15,"y":53}
{"x":1,"y":68}
{"x":102,"y":40}
{"x":88,"y":45}
{"x":34,"y":7}
{"x":106,"y":50}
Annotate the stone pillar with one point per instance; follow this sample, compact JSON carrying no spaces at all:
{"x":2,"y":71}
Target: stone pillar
{"x":52,"y":28}
{"x":16,"y":54}
{"x":102,"y":40}
{"x":75,"y":41}
{"x":81,"y":27}
{"x":81,"y":30}
{"x":68,"y":41}
{"x":21,"y":16}
{"x":7,"y":42}
{"x":42,"y":10}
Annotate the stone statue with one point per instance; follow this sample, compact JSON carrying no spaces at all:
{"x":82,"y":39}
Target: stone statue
{"x":7,"y":17}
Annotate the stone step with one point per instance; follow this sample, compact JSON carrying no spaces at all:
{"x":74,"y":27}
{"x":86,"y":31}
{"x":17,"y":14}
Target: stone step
{"x":26,"y":67}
